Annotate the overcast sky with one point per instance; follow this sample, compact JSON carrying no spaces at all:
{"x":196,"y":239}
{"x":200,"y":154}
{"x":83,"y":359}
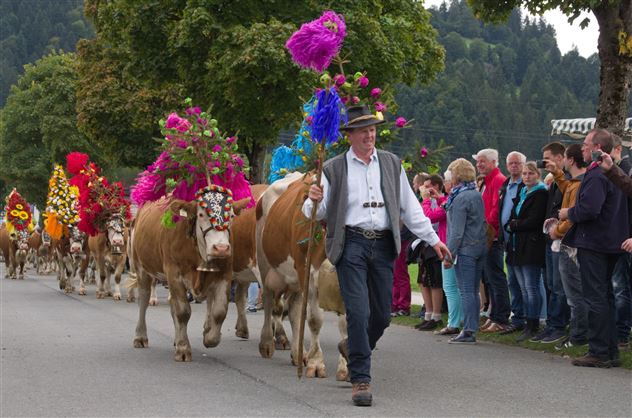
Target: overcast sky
{"x":567,"y":36}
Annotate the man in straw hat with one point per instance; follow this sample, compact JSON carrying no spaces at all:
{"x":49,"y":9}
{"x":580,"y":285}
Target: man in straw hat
{"x":363,"y":196}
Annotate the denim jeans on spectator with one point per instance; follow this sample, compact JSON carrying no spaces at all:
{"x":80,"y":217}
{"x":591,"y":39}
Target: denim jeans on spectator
{"x":596,"y":271}
{"x":253,"y":292}
{"x":622,"y":298}
{"x":517,"y":309}
{"x":544,"y":295}
{"x":498,"y":290}
{"x":453,"y":297}
{"x":468,"y":271}
{"x":529,"y":279}
{"x":365,"y":273}
{"x":558,"y":312}
{"x":572,"y":282}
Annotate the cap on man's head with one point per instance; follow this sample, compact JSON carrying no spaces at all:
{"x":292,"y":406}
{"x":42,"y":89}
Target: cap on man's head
{"x":359,"y":117}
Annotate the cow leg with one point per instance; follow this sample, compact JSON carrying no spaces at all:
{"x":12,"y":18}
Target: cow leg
{"x":216,"y":309}
{"x":315,"y":361}
{"x":153,"y":300}
{"x":102,"y":272}
{"x":82,"y":276}
{"x":241,"y":295}
{"x":294,"y":314}
{"x":180,"y":312}
{"x":144,"y":282}
{"x":69,"y":269}
{"x":342,"y":373}
{"x":266,"y":342}
{"x":281,"y":341}
{"x":120,"y":266}
{"x":21,"y":274}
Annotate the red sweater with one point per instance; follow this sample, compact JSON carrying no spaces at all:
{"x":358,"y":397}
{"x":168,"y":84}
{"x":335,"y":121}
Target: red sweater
{"x":491,"y":196}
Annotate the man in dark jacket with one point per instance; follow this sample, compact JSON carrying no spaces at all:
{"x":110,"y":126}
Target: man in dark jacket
{"x":600,"y":226}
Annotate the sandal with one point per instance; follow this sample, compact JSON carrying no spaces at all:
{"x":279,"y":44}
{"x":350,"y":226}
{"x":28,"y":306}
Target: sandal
{"x":447,"y":331}
{"x":494,"y":327}
{"x":510,"y":329}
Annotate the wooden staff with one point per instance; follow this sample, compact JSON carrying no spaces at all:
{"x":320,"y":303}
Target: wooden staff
{"x":308,"y":263}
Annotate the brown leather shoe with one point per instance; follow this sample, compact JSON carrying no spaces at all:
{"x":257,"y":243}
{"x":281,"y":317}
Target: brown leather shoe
{"x":343,"y":348}
{"x":591,"y":361}
{"x":361,"y":394}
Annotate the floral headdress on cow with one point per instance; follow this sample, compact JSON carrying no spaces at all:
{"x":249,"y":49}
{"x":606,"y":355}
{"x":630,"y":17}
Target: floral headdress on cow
{"x":315,"y":46}
{"x":18,"y":216}
{"x":62,"y":204}
{"x":99,"y":200}
{"x":197,"y":163}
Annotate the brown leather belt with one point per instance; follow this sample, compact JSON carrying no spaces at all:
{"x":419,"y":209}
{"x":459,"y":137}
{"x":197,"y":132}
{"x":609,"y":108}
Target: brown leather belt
{"x":369,"y":233}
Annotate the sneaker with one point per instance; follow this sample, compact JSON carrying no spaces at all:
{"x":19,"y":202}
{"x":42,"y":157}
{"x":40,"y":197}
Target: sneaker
{"x":403,"y":312}
{"x":447,"y":331}
{"x":251,"y":309}
{"x":361,"y":394}
{"x":463,"y":338}
{"x":421,"y":324}
{"x":540,"y":336}
{"x":567,"y":343}
{"x":554,"y":336}
{"x":430,"y":325}
{"x":592,"y":361}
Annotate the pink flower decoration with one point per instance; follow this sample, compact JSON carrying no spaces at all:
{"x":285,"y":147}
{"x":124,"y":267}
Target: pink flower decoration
{"x":380,"y":107}
{"x":355,"y":100}
{"x":237,"y":159}
{"x":231,"y":140}
{"x":309,"y":120}
{"x":180,"y":143}
{"x":172,"y":121}
{"x":339,"y":79}
{"x":183,"y":125}
{"x":217,"y":148}
{"x":344,"y":100}
{"x":363,"y":81}
{"x":376,"y":92}
{"x":423,"y":152}
{"x":400,"y":122}
{"x":317,"y":42}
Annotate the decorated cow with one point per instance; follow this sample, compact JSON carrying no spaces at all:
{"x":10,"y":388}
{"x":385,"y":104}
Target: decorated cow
{"x":18,"y":226}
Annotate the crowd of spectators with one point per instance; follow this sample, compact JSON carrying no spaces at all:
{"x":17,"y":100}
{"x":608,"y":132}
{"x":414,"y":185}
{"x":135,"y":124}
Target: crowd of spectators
{"x":548,"y":261}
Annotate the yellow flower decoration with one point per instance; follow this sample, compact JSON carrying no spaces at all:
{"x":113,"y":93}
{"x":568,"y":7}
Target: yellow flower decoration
{"x":23,"y":215}
{"x":15,"y":213}
{"x":18,"y":206}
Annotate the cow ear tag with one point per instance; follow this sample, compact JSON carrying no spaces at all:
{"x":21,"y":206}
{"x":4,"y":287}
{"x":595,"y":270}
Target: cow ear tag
{"x":183,"y":213}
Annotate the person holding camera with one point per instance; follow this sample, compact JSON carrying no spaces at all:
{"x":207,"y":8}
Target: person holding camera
{"x":600,"y":227}
{"x":526,"y":244}
{"x":569,"y":269}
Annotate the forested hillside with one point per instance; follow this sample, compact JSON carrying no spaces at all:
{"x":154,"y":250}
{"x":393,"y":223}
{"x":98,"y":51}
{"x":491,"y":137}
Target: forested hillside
{"x":501,"y":86}
{"x":33,"y":28}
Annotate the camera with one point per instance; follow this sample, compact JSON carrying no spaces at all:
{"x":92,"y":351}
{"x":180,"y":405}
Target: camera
{"x":540,"y":163}
{"x":596,"y":156}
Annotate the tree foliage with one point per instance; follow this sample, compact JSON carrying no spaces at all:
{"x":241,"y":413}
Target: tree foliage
{"x":231,"y":54}
{"x":38,"y":125}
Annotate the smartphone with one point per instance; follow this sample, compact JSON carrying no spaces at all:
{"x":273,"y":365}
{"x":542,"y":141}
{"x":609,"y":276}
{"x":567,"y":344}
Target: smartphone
{"x":540,"y":164}
{"x":596,"y":156}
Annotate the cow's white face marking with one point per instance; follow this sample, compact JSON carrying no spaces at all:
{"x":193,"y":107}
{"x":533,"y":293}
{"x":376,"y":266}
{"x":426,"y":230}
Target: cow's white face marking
{"x":211,"y":242}
{"x":115,"y":228}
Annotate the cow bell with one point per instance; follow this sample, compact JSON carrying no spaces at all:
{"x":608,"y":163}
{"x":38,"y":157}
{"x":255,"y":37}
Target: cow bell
{"x":208,"y":265}
{"x":117,"y":250}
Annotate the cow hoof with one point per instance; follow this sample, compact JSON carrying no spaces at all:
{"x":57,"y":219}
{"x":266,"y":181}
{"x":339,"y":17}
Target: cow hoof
{"x":82,"y":292}
{"x":131,"y":299}
{"x":281,"y":343}
{"x":68,"y":290}
{"x":141,"y":342}
{"x":294,"y":362}
{"x":242,"y":333}
{"x":210,"y":342}
{"x":153,"y":302}
{"x":183,"y":354}
{"x":108,"y":294}
{"x":116,"y":296}
{"x":100,"y":295}
{"x":266,"y":349}
{"x":342,"y":375}
{"x":316,"y":370}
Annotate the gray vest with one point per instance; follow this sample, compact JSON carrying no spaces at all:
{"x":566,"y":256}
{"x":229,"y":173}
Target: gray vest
{"x":335,"y":170}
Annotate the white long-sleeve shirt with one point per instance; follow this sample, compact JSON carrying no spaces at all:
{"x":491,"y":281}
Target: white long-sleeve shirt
{"x":364,"y":185}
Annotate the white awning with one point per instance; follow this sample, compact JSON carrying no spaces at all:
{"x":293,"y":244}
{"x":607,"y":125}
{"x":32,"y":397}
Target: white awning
{"x":582,"y":126}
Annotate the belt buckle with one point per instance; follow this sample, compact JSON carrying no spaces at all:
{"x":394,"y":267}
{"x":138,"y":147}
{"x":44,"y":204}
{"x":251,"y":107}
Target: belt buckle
{"x":368,"y":234}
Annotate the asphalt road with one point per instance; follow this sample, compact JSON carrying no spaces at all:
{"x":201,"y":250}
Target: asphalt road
{"x":70,"y":355}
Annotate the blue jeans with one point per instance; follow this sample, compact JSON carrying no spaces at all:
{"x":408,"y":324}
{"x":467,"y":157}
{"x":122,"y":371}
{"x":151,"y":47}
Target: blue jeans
{"x":622,"y":298}
{"x":557,"y":308}
{"x":572,"y":282}
{"x":451,"y":291}
{"x":468,"y":271}
{"x":529,"y":280}
{"x":498,"y":290}
{"x":365,"y":273}
{"x":517,"y":319}
{"x":543,"y":295}
{"x":253,"y":292}
{"x":596,"y":272}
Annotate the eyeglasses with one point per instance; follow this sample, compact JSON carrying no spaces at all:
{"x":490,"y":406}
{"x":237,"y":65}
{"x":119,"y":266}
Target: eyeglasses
{"x":373,"y":204}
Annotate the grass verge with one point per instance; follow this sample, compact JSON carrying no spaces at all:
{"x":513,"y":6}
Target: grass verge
{"x":413,"y":319}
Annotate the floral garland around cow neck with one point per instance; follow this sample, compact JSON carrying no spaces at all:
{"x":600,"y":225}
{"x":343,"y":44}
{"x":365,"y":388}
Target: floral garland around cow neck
{"x":195,"y":155}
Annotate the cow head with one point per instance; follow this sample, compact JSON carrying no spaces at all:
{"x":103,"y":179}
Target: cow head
{"x":116,"y":234}
{"x":210,"y":217}
{"x":45,"y":239}
{"x":22,"y":244}
{"x":77,"y":239}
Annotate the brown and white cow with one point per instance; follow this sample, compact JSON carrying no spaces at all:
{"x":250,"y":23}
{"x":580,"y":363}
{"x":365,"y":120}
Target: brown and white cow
{"x":110,"y":253}
{"x":71,"y":255}
{"x":14,"y":248}
{"x":192,"y":255}
{"x":39,"y":251}
{"x":281,"y":253}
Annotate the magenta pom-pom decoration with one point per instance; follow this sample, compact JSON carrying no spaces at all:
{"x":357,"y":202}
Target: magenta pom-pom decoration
{"x":316,"y":43}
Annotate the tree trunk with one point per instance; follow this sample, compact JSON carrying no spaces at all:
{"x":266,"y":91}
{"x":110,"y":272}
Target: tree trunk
{"x":616,"y":69}
{"x":256,"y":155}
